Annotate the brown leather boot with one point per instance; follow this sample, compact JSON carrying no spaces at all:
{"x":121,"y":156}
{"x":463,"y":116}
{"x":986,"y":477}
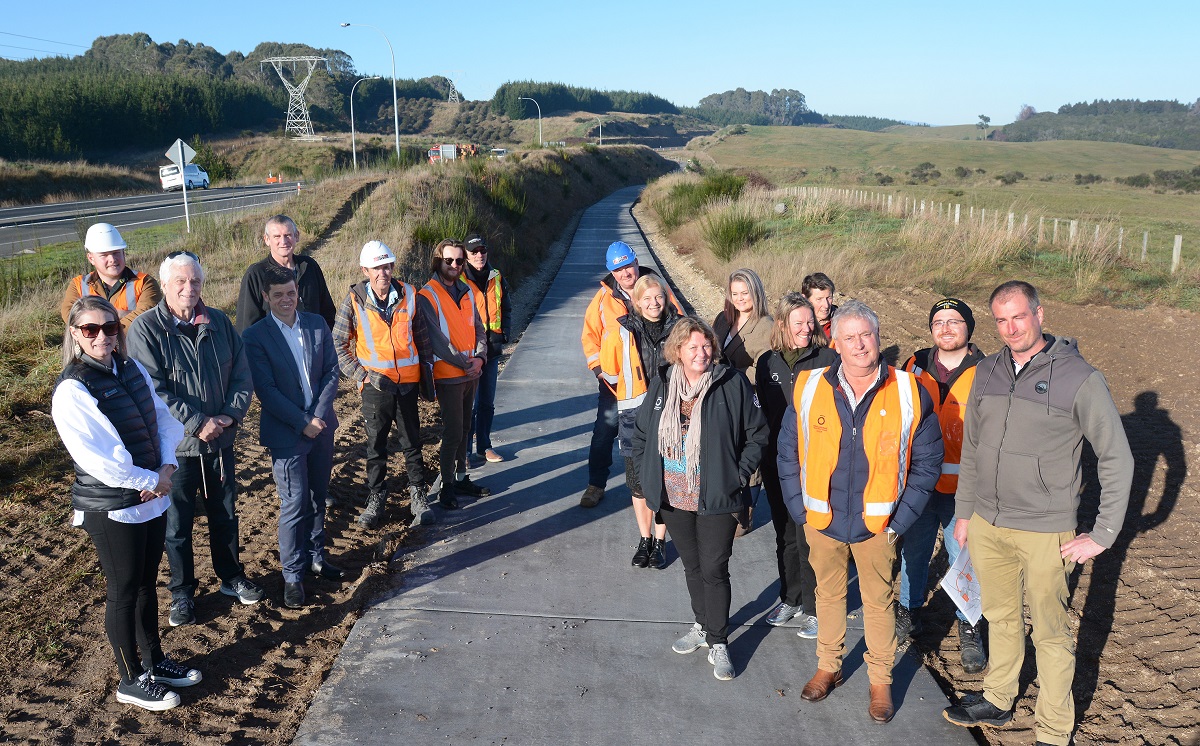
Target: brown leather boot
{"x":821,"y":684}
{"x":881,"y":709}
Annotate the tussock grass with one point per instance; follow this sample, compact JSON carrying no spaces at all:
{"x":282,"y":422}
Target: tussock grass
{"x":34,"y":182}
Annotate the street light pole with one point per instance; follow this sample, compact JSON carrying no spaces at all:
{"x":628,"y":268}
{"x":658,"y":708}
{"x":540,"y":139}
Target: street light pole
{"x":599,"y":121}
{"x":353,"y":146}
{"x":539,"y":108}
{"x":395,"y":102}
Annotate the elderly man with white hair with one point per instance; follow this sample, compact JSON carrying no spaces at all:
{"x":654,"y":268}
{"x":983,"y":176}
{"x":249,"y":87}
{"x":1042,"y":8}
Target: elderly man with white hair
{"x":199,"y":368}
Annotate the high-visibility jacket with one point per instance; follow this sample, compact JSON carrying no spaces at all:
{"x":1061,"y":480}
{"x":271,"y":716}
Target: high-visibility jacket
{"x":600,"y":318}
{"x":887,"y":434}
{"x":621,"y":367}
{"x":124,"y":300}
{"x":487,"y":300}
{"x":457,"y":323}
{"x":951,"y":413}
{"x":388,"y":349}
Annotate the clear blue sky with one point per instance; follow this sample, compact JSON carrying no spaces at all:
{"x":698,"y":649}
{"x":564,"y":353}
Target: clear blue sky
{"x":936,"y":62}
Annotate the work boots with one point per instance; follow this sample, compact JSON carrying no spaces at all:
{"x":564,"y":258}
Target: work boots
{"x":970,"y":646}
{"x":417,"y":503}
{"x":371,"y":514}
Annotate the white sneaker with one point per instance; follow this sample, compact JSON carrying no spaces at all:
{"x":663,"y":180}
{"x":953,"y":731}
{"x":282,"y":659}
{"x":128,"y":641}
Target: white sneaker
{"x":722,"y":666}
{"x":691,"y":642}
{"x":808,"y":628}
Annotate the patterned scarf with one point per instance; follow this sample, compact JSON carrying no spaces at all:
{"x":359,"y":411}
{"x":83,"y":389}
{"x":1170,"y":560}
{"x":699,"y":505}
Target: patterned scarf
{"x":670,"y":429}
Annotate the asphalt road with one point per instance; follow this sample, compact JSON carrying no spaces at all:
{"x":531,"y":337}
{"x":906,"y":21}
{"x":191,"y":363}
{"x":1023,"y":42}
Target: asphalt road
{"x":27,"y":228}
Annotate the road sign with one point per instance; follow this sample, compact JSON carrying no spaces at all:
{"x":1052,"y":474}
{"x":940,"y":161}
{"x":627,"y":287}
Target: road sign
{"x":180,"y":151}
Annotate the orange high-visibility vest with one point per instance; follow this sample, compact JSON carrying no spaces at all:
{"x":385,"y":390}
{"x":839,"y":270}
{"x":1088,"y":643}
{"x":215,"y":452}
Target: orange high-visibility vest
{"x":388,"y":349}
{"x":122,"y":301}
{"x":600,"y":319}
{"x":621,"y":367}
{"x":457,"y":322}
{"x":887,"y":433}
{"x":950,"y":414}
{"x":487,"y":301}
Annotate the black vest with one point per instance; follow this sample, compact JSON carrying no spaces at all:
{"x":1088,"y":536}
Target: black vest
{"x":128,"y":403}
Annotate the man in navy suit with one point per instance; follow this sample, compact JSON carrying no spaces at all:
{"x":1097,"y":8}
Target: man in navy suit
{"x":295,"y":371}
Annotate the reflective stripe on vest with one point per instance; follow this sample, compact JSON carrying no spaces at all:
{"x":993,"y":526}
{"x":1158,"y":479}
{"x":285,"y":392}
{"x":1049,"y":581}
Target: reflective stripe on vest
{"x":621,"y":368}
{"x":433,"y":290}
{"x":950,"y":414}
{"x":130,"y":295}
{"x":398,"y":369}
{"x":887,"y":434}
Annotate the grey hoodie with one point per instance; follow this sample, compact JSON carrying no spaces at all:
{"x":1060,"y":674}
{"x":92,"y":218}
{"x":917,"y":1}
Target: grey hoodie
{"x":1023,"y":439}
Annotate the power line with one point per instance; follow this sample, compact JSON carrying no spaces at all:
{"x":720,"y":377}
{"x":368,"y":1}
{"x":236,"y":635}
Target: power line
{"x":49,"y":41}
{"x":28,"y":49}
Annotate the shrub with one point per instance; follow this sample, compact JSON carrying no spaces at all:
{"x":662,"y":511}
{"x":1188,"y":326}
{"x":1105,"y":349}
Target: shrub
{"x":883,"y":178}
{"x":1010,"y":178}
{"x":1141,"y":180}
{"x":1081,"y":179}
{"x":729,"y":230}
{"x":962,"y":172}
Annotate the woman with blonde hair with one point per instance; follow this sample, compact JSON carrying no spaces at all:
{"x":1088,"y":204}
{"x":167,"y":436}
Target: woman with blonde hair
{"x":797,"y":344}
{"x":696,"y":441}
{"x":122,"y":439}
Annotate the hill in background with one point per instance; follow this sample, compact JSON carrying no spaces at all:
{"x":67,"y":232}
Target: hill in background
{"x":1162,"y":124}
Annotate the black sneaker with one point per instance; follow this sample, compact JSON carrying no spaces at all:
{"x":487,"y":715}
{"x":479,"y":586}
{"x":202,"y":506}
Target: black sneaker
{"x":147,"y":694}
{"x":978,"y":712}
{"x":970,"y":647}
{"x":465,"y":486}
{"x":908,"y":622}
{"x":170,"y":673}
{"x":243,"y":590}
{"x":182,"y":612}
{"x":447,"y":499}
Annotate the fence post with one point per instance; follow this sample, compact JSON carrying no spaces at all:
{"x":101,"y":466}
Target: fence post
{"x":1097,"y":236}
{"x":971,"y":214}
{"x":982,"y":216}
{"x":922,"y":208}
{"x":1120,"y":240}
{"x":1041,"y":228}
{"x":1074,"y":230}
{"x":1054,"y":236}
{"x":1145,"y":240}
{"x":1010,"y":223}
{"x":889,"y":204}
{"x":1177,"y":254}
{"x":957,"y":210}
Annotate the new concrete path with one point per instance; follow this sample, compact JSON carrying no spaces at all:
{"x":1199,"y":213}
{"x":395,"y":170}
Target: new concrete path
{"x":522,"y":622}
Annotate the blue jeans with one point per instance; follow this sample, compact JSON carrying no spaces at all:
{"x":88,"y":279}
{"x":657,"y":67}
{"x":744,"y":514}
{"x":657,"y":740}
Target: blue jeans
{"x":604,"y":433}
{"x":210,"y":478}
{"x":916,"y":550}
{"x":485,"y":407}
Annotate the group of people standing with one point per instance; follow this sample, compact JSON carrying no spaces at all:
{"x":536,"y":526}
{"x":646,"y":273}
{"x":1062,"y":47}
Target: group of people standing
{"x":155,"y":385}
{"x":861,"y":461}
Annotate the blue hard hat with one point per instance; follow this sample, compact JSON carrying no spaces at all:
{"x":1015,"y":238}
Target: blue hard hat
{"x":619,"y":255}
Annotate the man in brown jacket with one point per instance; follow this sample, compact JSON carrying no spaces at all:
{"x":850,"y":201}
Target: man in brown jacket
{"x":1030,"y":408}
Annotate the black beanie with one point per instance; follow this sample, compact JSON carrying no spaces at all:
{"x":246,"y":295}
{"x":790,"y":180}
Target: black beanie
{"x":954,"y":304}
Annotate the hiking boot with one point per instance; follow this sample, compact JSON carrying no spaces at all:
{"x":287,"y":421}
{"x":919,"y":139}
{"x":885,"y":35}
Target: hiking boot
{"x":170,"y":673}
{"x":978,"y":712}
{"x":371,"y":514}
{"x":243,"y":590}
{"x":808,"y":627}
{"x":465,"y":486}
{"x":419,"y":505}
{"x":182,"y":612}
{"x":782,"y":612}
{"x":970,"y":647}
{"x":591,"y":496}
{"x":641,"y":558}
{"x":448,"y":499}
{"x":722,"y":666}
{"x":658,"y":554}
{"x":692,"y":641}
{"x":147,"y":694}
{"x":908,"y":622}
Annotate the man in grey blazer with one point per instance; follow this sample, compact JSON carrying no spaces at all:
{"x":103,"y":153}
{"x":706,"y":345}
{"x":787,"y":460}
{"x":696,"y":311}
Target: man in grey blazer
{"x":295,"y":371}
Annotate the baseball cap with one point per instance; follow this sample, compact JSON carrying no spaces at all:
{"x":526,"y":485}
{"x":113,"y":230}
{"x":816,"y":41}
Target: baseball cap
{"x":475,"y":243}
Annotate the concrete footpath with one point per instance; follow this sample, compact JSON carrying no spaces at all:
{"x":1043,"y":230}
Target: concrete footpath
{"x":521,"y":620}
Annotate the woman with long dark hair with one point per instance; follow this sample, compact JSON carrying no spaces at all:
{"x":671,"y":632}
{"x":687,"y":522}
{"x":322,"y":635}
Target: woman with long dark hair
{"x":122,"y":440}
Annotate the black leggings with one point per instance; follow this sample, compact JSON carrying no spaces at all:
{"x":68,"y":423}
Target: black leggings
{"x":129,"y":555}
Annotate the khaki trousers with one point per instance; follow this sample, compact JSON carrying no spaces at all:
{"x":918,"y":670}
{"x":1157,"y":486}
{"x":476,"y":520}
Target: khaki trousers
{"x":1011,"y":565}
{"x":875,"y":559}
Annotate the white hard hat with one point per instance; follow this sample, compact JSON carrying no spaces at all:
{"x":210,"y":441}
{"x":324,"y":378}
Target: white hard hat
{"x":102,"y":238}
{"x":375,"y":254}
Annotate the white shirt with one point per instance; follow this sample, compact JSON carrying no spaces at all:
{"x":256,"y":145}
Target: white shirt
{"x":294,"y":336}
{"x":848,"y":390}
{"x":96,"y":446}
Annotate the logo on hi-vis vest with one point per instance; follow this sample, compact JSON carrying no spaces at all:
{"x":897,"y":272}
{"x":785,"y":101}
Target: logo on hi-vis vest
{"x":820,"y":426}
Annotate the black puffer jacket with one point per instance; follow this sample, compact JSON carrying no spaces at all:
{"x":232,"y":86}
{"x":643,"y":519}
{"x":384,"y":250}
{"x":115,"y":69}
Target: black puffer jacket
{"x":776,"y":382}
{"x":734,"y":434}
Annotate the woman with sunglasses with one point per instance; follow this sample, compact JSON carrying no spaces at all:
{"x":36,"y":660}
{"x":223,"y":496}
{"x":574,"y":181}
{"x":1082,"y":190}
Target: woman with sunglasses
{"x":122,"y":440}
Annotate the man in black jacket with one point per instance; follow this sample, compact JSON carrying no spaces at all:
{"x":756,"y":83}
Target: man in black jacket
{"x":280,"y":235}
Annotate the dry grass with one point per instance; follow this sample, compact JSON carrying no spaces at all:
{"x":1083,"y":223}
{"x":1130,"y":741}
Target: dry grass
{"x":37,"y":182}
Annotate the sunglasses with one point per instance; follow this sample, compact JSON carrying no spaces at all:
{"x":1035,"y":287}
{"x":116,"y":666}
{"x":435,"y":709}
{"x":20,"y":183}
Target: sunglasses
{"x":174,"y":254}
{"x":453,"y":262}
{"x":477,"y":250}
{"x":91,"y":331}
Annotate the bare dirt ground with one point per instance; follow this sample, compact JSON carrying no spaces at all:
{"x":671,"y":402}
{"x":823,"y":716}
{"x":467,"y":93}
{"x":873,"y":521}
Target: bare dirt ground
{"x":1137,"y":679}
{"x":1136,"y":606}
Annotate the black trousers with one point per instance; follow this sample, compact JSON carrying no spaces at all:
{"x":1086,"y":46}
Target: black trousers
{"x":797,"y":581}
{"x":457,"y":401}
{"x":705,"y":544}
{"x":129,"y":556}
{"x":210,"y":479}
{"x":380,"y":410}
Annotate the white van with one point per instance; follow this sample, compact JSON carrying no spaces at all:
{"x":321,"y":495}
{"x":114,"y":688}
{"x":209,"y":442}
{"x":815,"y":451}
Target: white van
{"x":171,"y":178}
